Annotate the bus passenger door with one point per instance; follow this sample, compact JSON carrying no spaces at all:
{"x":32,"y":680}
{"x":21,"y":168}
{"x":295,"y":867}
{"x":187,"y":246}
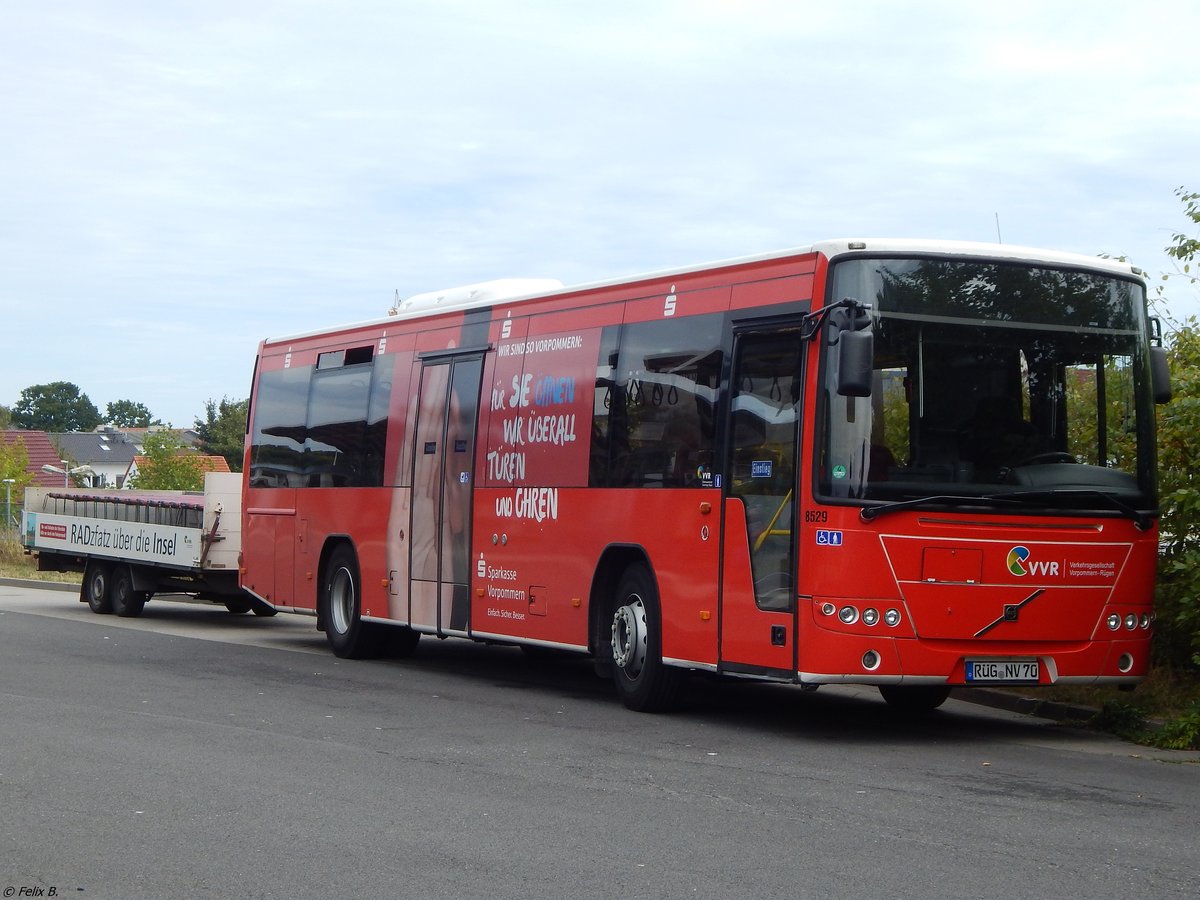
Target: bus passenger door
{"x":758,"y":597}
{"x":443,"y":482}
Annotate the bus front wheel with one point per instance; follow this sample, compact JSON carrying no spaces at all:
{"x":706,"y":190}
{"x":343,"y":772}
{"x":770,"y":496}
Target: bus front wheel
{"x":643,"y":682}
{"x":914,"y":698}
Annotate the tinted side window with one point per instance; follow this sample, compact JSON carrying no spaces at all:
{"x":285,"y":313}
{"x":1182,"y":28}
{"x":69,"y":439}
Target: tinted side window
{"x":323,"y":426}
{"x":654,"y":417}
{"x":335,"y":439}
{"x":375,"y":438}
{"x":277,"y":442}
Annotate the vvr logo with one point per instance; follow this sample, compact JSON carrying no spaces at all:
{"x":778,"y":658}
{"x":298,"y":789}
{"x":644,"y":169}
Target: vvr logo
{"x":1020,"y":564}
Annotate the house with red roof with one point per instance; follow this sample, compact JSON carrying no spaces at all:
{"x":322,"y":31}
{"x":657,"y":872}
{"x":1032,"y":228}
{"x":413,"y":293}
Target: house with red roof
{"x":41,"y":452}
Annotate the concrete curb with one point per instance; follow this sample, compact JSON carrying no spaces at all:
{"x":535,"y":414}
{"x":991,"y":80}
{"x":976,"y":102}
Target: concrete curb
{"x":1030,"y":706}
{"x":45,"y":585}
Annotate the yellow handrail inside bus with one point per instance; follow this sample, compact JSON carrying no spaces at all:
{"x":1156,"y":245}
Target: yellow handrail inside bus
{"x":770,"y":529}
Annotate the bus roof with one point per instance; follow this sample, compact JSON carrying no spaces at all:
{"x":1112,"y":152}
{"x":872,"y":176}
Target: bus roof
{"x":511,"y":290}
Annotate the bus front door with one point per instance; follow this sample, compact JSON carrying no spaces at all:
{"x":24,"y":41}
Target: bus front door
{"x":443,"y":483}
{"x":758,"y":597}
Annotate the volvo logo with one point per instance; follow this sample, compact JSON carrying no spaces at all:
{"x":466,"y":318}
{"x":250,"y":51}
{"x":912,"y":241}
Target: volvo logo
{"x":1011,"y":613}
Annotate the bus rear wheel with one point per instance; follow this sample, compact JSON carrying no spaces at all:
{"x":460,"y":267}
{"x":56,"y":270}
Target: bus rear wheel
{"x":643,"y":682}
{"x":341,"y":608}
{"x":96,"y":586}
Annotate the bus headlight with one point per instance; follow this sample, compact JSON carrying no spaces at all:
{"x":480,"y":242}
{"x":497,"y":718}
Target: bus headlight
{"x":1114,"y":622}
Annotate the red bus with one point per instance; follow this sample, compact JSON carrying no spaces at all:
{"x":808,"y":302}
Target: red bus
{"x":906,"y":464}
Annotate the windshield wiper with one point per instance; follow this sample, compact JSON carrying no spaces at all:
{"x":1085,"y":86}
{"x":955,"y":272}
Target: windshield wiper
{"x":867,"y":513}
{"x":1141,"y":520}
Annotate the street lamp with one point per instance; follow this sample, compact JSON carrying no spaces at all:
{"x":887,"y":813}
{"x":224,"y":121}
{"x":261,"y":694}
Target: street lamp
{"x":66,"y":472}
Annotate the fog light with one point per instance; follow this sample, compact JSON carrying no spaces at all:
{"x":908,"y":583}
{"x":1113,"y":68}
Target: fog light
{"x":870,"y":616}
{"x":891,"y":618}
{"x":848,"y":615}
{"x":1145,"y":620}
{"x":870,"y":660}
{"x":1131,"y":621}
{"x":1125,"y":663}
{"x":1114,"y":622}
{"x":828,"y":609}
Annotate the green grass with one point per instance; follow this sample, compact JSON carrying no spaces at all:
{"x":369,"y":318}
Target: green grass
{"x":1162,"y":711}
{"x":16,"y":563}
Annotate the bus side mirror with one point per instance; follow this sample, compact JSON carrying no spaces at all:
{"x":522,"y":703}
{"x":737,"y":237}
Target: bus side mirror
{"x":856,"y":355}
{"x":1160,"y":375}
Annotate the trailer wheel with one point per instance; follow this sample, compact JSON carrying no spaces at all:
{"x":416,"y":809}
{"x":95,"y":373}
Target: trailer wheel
{"x":238,"y":605}
{"x":643,"y":682}
{"x":126,"y":602}
{"x":909,"y":698}
{"x":96,"y":583}
{"x":349,"y":636}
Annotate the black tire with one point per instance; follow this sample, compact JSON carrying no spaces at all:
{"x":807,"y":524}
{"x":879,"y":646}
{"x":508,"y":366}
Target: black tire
{"x":341,"y":604}
{"x":238,"y":605}
{"x":401,"y":641}
{"x":97,"y":584}
{"x":643,"y":682}
{"x":914,"y":699}
{"x":126,"y":602}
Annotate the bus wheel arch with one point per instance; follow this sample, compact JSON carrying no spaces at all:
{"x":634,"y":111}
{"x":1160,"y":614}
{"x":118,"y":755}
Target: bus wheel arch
{"x":629,"y":634}
{"x":611,"y":566}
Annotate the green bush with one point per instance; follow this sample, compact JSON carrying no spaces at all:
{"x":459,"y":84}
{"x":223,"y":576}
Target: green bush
{"x":1177,"y":629}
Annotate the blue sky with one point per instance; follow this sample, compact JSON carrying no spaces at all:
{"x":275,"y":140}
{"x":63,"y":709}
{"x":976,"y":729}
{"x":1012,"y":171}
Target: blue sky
{"x":183,"y":179}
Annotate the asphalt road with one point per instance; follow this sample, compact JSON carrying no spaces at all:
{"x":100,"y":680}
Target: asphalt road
{"x":192,"y":753}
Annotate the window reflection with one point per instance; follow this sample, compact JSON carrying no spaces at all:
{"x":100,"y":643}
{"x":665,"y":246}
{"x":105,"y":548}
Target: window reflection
{"x":322,"y":426}
{"x":985,"y":373}
{"x":656,"y":386}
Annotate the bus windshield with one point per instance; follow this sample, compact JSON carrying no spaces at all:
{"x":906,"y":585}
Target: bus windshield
{"x":993,"y":380}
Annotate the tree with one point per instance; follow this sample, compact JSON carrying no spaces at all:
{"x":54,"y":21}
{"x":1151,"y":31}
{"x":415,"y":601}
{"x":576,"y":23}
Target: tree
{"x":167,"y":465}
{"x":14,"y":464}
{"x":128,"y":414}
{"x":5,"y":416}
{"x":223,"y":431}
{"x":57,"y":407}
{"x":1177,"y":634}
{"x":1183,"y":247}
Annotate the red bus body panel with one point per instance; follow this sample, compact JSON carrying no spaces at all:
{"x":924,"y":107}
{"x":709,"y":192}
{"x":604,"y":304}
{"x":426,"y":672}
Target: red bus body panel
{"x":538,"y":535}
